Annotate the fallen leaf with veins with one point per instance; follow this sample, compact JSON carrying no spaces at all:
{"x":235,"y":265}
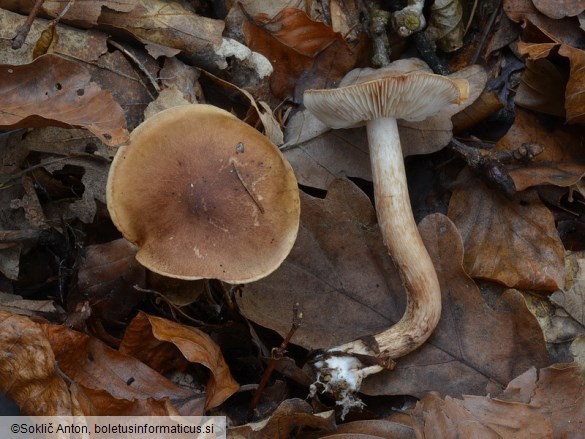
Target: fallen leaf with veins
{"x":513,"y":242}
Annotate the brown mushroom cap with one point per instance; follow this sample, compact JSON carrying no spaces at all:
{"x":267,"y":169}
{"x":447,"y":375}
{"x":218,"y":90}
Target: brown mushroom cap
{"x":386,"y":92}
{"x":204,"y":195}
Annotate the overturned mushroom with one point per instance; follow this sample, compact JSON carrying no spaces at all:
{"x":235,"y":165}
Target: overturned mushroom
{"x":204,"y":195}
{"x":377,"y":98}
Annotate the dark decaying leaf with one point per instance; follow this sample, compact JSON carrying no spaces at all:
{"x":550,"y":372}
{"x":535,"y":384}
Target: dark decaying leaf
{"x":338,"y":271}
{"x":482,"y":341}
{"x":514,"y":242}
{"x":27,"y":369}
{"x":158,"y":342}
{"x":54,"y":91}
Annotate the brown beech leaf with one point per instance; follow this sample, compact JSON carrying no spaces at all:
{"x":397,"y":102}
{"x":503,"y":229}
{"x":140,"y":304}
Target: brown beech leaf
{"x":559,"y":8}
{"x":560,"y":164}
{"x":294,"y":43}
{"x":27,"y":369}
{"x":483,"y":340}
{"x":338,"y":271}
{"x":157,"y":341}
{"x":544,"y":404}
{"x":91,"y":364}
{"x":542,"y":88}
{"x":287,"y":418}
{"x":559,"y":31}
{"x":514,"y":242}
{"x":168,"y":24}
{"x":54,"y":91}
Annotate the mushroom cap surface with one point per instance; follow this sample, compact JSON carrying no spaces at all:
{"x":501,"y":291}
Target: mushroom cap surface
{"x":386,"y":92}
{"x":204,"y":195}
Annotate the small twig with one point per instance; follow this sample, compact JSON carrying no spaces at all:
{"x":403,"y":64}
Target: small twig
{"x":487,"y":167}
{"x":137,"y":62}
{"x":247,"y":189}
{"x":378,"y":32}
{"x":486,"y":32}
{"x":276,"y":355}
{"x":24,"y":29}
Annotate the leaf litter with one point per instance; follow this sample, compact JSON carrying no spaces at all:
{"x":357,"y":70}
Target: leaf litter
{"x":512,"y":300}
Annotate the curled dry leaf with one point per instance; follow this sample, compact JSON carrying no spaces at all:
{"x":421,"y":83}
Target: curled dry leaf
{"x":290,"y":415}
{"x":541,"y":88}
{"x":483,"y":340}
{"x":157,"y":342}
{"x":559,"y":8}
{"x":54,"y":91}
{"x":446,"y":25}
{"x":560,"y":164}
{"x":27,"y":369}
{"x":112,"y":375}
{"x":542,"y":404}
{"x":338,"y":271}
{"x":514,"y":242}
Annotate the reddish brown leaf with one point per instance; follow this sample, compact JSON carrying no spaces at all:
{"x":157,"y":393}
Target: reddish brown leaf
{"x":114,"y":375}
{"x":27,"y":369}
{"x":560,"y":164}
{"x":54,"y":91}
{"x":483,"y":340}
{"x":512,"y":242}
{"x":297,"y":45}
{"x":157,"y":342}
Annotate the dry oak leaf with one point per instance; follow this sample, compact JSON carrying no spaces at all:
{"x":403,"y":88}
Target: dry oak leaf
{"x":543,"y":404}
{"x":559,"y":8}
{"x":167,"y":24}
{"x":157,"y":342}
{"x":560,"y":164}
{"x":294,"y":43}
{"x":483,"y":339}
{"x":54,"y":91}
{"x":91,"y":364}
{"x":27,"y":369}
{"x":560,"y":31}
{"x":338,"y":271}
{"x":513,"y":242}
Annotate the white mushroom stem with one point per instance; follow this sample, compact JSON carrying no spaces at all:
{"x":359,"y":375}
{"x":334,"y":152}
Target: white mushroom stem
{"x":404,"y":244}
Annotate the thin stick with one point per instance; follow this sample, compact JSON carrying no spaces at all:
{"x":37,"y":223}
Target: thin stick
{"x":277,"y":354}
{"x":24,"y":29}
{"x":486,"y":32}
